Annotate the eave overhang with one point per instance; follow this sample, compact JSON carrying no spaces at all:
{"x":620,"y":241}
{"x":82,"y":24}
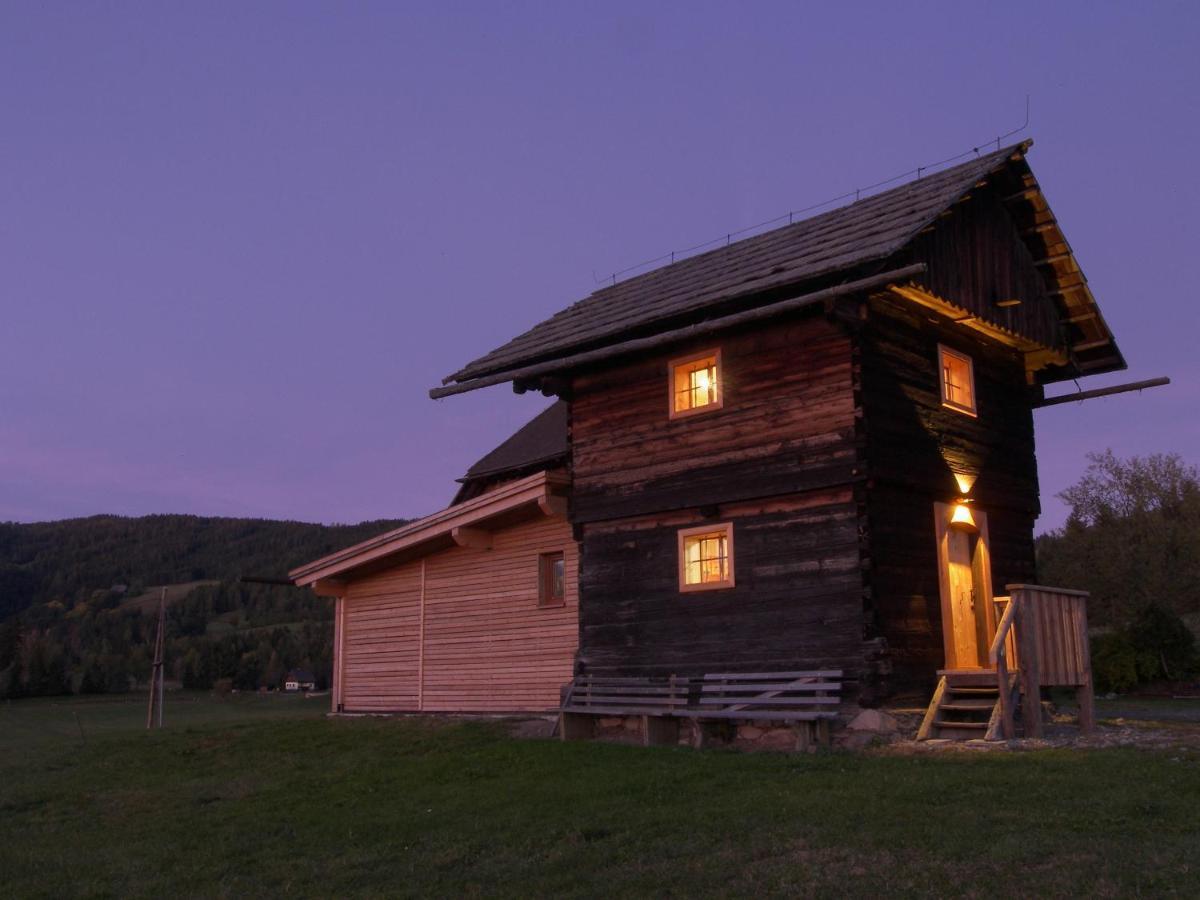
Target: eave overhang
{"x":467,"y":524}
{"x":1091,"y":348}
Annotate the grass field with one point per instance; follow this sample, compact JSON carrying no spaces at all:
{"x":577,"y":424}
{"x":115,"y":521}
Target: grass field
{"x":251,"y":796}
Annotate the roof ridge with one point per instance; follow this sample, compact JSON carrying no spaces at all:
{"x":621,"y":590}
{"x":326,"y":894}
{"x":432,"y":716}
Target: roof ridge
{"x":837,"y":239}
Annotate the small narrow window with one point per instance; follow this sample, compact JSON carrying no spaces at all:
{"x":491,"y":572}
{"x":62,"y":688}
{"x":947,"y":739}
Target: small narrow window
{"x":958,"y":380}
{"x":706,"y":558}
{"x":552,"y":580}
{"x":695,"y":384}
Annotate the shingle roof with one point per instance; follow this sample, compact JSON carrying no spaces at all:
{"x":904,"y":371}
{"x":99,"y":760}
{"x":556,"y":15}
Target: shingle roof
{"x":863,"y":232}
{"x":541,"y":440}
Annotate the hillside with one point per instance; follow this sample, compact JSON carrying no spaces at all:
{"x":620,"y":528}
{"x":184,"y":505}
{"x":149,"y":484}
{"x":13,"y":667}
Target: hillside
{"x":61,"y":560}
{"x":77,"y":599}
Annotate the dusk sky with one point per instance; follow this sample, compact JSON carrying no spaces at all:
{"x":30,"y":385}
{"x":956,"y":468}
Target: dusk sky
{"x":240,"y":241}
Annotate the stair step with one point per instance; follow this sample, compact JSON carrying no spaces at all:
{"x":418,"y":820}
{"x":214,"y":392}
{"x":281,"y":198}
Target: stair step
{"x":973,"y":691}
{"x":968,"y":676}
{"x":969,"y":706}
{"x":970,"y":726}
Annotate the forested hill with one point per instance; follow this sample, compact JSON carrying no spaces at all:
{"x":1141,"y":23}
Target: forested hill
{"x":77,"y":613}
{"x":69,"y":559}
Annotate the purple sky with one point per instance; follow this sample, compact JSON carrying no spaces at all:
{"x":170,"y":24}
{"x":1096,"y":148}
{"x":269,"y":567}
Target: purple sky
{"x":239,"y":241}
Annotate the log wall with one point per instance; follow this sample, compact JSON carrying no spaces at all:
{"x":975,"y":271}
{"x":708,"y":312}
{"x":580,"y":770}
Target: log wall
{"x":914,"y":446}
{"x":486,"y":644}
{"x":778,"y":460}
{"x":786,"y":426}
{"x":797,"y":603}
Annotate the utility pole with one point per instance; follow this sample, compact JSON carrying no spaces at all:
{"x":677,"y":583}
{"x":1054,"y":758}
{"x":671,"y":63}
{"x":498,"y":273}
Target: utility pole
{"x":156,"y":671}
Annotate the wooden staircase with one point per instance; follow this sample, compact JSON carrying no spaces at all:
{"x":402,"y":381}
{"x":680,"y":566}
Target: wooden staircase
{"x":965,"y":705}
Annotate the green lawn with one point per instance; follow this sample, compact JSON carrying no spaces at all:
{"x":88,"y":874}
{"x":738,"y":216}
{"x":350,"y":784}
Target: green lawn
{"x":256,"y":796}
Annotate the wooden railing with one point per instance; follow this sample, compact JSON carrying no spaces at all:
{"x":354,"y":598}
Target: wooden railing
{"x":1045,"y":628}
{"x":998,"y":655}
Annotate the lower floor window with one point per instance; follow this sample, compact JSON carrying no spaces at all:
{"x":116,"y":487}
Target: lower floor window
{"x":552,"y":589}
{"x":706,"y":558}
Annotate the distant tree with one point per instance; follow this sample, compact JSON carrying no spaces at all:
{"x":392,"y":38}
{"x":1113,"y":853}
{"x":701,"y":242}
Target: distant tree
{"x":1132,"y":538}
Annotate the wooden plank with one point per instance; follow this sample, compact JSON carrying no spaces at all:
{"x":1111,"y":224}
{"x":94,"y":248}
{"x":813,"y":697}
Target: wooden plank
{"x":791,"y":676}
{"x":765,"y":715}
{"x":746,"y":702}
{"x":789,"y":686}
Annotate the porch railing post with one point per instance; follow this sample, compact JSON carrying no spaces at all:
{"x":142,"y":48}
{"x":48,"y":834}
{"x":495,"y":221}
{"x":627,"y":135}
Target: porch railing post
{"x":1027,"y":640}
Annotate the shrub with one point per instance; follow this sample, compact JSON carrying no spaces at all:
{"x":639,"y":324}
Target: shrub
{"x":1114,"y":663}
{"x":1165,"y":646}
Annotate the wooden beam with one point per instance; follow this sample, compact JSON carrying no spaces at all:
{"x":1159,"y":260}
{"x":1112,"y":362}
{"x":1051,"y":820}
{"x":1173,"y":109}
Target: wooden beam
{"x":553,"y":505}
{"x":679,"y":334}
{"x":1090,"y":345}
{"x":1102,"y":392}
{"x":961,"y":316}
{"x":329,"y":587}
{"x":421,"y":645}
{"x":1050,"y":260}
{"x":1026,"y":194}
{"x":476,"y":538}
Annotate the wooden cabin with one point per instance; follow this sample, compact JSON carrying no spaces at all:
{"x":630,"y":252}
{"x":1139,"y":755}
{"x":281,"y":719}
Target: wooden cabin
{"x":471,"y":609}
{"x":812,"y":449}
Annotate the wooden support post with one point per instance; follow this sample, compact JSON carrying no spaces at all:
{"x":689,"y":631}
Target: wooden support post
{"x":824,"y":733}
{"x":1086,"y":699}
{"x":659,"y":731}
{"x":804,"y":736}
{"x":1027,"y":639}
{"x":575,"y":727}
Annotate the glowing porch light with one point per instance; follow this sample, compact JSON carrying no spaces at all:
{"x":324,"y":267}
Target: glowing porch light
{"x":962,"y":517}
{"x":965,"y":481}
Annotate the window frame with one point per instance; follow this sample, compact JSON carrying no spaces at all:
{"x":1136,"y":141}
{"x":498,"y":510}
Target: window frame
{"x":973,"y":409}
{"x":700,"y":531}
{"x":546,"y":561}
{"x":713,"y":353}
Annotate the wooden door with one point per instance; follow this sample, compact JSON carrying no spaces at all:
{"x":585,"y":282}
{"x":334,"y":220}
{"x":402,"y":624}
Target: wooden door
{"x":964,"y":575}
{"x":963,"y":598}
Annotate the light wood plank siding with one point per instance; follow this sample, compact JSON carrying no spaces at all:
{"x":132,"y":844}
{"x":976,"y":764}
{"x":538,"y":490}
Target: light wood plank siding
{"x":379,"y":642}
{"x":487,"y":647}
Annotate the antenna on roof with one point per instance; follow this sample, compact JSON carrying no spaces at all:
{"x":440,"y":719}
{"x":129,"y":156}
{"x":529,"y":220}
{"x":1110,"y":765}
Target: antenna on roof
{"x":675,"y":255}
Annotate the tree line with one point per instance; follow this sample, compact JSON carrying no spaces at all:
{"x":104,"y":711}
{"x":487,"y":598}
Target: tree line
{"x":1132,"y":540}
{"x":67,"y":626}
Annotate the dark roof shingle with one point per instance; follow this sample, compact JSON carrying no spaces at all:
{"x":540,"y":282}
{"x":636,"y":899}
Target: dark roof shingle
{"x":868,"y":230}
{"x":541,"y":440}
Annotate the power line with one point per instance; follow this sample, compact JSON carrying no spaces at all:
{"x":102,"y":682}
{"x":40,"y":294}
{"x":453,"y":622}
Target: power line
{"x":790,"y":216}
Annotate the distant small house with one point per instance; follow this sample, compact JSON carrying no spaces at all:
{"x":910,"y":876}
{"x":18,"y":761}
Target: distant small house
{"x":299,"y":680}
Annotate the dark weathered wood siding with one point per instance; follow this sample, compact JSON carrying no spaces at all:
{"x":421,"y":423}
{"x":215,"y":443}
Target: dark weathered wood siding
{"x":778,"y":461}
{"x":914,"y":446}
{"x":797,"y":602}
{"x":976,"y":257}
{"x":787,"y":425}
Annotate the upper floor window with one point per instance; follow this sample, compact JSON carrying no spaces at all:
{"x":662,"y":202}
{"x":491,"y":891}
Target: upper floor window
{"x":552,"y":579}
{"x":706,"y":558}
{"x":958,"y":380}
{"x":695,"y":384}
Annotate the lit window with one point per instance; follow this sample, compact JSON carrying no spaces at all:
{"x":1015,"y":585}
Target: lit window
{"x":958,"y":380}
{"x":552,"y":582}
{"x":696,"y":384}
{"x":706,"y":558}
